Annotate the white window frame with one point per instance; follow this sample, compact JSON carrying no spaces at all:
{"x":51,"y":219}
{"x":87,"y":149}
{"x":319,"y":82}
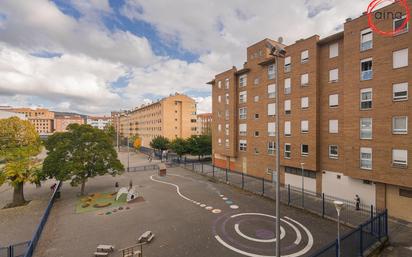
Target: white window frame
{"x":304,"y":56}
{"x":304,"y":102}
{"x":332,"y":124}
{"x":219,"y":141}
{"x":288,"y":64}
{"x":363,"y":74}
{"x":227,"y":83}
{"x":219,"y":98}
{"x":227,"y":97}
{"x":271,"y":147}
{"x":242,"y":129}
{"x":334,"y":75}
{"x":395,"y":90}
{"x":243,"y":145}
{"x":365,"y":132}
{"x":404,"y":30}
{"x":366,"y":150}
{"x":243,"y":113}
{"x":288,"y":106}
{"x":288,"y":86}
{"x":272,"y":71}
{"x":333,"y":100}
{"x":304,"y":79}
{"x":227,"y":143}
{"x":362,"y":91}
{"x":272,"y":91}
{"x":256,"y":98}
{"x":271,"y":129}
{"x":400,"y":131}
{"x":219,"y":84}
{"x":288,"y":129}
{"x":242,"y":97}
{"x":219,"y":127}
{"x":243,"y":80}
{"x":287,"y":152}
{"x":331,"y":155}
{"x":227,"y":129}
{"x":304,"y":126}
{"x":271,"y":109}
{"x":301,"y":150}
{"x":333,"y":50}
{"x":367,"y":44}
{"x":400,"y":162}
{"x":402,"y":60}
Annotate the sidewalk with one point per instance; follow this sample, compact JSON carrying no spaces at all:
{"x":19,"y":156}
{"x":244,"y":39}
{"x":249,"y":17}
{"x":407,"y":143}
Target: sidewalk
{"x":400,"y":239}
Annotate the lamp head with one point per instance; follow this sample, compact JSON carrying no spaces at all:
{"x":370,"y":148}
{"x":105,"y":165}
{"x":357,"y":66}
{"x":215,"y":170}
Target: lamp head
{"x":338,"y":206}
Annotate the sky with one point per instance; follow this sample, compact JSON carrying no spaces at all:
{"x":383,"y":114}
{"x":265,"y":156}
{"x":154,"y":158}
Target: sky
{"x":97,"y":56}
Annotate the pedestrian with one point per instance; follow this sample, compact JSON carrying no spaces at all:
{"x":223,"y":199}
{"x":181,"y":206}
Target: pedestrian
{"x":53,"y":187}
{"x":357,"y":199}
{"x":116,"y":184}
{"x":130,"y":184}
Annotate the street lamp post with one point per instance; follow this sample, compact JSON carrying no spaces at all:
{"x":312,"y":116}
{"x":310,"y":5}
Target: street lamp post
{"x":338,"y":206}
{"x":277,"y":52}
{"x":303,"y":184}
{"x":117,"y":129}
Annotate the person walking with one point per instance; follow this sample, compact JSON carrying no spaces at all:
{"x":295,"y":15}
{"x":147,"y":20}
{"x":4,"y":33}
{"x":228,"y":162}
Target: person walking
{"x":357,"y":199}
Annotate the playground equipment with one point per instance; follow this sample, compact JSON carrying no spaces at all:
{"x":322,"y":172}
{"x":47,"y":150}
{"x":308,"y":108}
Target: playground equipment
{"x":132,"y":252}
{"x":131,"y":193}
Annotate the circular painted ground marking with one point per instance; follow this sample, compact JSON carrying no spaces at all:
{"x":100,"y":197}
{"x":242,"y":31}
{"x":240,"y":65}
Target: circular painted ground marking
{"x":224,"y":198}
{"x":221,"y":195}
{"x":234,"y":207}
{"x":216,"y":211}
{"x":203,"y":205}
{"x":252,"y":234}
{"x":209,"y":208}
{"x":229,"y":202}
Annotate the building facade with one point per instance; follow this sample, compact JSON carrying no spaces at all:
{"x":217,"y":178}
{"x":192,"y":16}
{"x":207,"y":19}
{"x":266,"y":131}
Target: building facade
{"x":41,"y":118}
{"x":6,"y":115}
{"x":343,"y":114}
{"x":171,"y":117}
{"x":99,"y":122}
{"x":204,"y":124}
{"x":62,"y":121}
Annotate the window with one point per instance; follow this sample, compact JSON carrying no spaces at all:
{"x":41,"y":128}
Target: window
{"x":287,"y":151}
{"x":304,"y":149}
{"x":365,"y":128}
{"x":287,"y":128}
{"x":219,"y":98}
{"x":242,"y":145}
{"x":366,"y":69}
{"x":242,"y":97}
{"x":333,"y":126}
{"x":400,"y":158}
{"x":366,"y":98}
{"x":227,"y":143}
{"x":333,"y":152}
{"x":227,"y":83}
{"x":398,"y":23}
{"x":243,"y":80}
{"x":405,"y":192}
{"x":333,"y":76}
{"x":304,"y":102}
{"x":242,"y":113}
{"x":366,"y":158}
{"x":256,"y":150}
{"x":271,"y":71}
{"x":304,"y":56}
{"x":256,"y":133}
{"x":256,"y":81}
{"x":288,"y":87}
{"x":288,"y":64}
{"x":227,"y":129}
{"x":287,"y":107}
{"x":242,"y":129}
{"x":227,"y":98}
{"x":256,"y":98}
{"x":366,"y":39}
{"x":271,"y":129}
{"x":304,"y":79}
{"x":333,"y":50}
{"x":400,"y":125}
{"x":256,"y":116}
{"x":272,"y":90}
{"x":272,"y":109}
{"x":219,"y":127}
{"x":334,"y":100}
{"x":304,"y":126}
{"x":400,"y":91}
{"x":219,"y":141}
{"x":227,"y":114}
{"x":400,"y":58}
{"x":298,"y":171}
{"x":271,"y":147}
{"x":219,"y":84}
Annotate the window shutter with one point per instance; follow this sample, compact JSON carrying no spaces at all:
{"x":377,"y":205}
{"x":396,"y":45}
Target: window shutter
{"x":304,"y":102}
{"x":400,"y":155}
{"x":304,"y":125}
{"x":271,"y":128}
{"x":242,"y":127}
{"x":271,"y":109}
{"x":334,"y":75}
{"x":287,"y":105}
{"x":333,"y":126}
{"x":400,"y":58}
{"x":304,"y":55}
{"x":333,"y":50}
{"x":334,"y":100}
{"x":271,"y":88}
{"x":304,"y":79}
{"x":288,"y":60}
{"x":287,"y":128}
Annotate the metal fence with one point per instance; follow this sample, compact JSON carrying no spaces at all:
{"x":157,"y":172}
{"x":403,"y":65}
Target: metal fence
{"x":17,"y":250}
{"x":320,"y":204}
{"x":358,"y":241}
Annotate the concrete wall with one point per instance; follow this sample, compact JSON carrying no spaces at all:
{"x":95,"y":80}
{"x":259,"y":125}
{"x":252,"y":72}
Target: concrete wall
{"x":296,"y":181}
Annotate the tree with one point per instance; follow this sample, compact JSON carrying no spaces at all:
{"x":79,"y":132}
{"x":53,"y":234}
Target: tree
{"x":81,"y":153}
{"x":19,"y":144}
{"x":160,"y":143}
{"x":200,"y":145}
{"x":179,"y":146}
{"x":111,"y":132}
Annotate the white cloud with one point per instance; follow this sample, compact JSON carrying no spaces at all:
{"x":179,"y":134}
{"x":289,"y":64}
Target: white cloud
{"x":204,"y":104}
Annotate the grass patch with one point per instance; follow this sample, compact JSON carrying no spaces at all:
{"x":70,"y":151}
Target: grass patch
{"x":99,"y":201}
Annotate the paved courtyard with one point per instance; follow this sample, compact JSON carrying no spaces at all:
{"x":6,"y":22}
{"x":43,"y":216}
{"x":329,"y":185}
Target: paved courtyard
{"x":190,"y":216}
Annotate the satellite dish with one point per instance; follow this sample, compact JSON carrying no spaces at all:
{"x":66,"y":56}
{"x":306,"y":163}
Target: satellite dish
{"x":280,"y":40}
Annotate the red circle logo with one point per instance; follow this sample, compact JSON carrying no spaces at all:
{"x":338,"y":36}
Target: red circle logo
{"x":375,"y":3}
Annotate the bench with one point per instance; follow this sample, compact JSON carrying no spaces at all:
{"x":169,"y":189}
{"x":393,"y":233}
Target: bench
{"x":97,"y":254}
{"x":105,"y":248}
{"x":146,"y":237}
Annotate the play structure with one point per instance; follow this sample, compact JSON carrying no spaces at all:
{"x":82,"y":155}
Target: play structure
{"x":131,"y":193}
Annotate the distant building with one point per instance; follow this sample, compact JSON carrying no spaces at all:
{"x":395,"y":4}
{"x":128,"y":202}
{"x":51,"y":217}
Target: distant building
{"x":204,"y":124}
{"x":171,"y":117}
{"x":62,"y":121}
{"x":99,"y":122}
{"x":6,"y":115}
{"x":41,"y":118}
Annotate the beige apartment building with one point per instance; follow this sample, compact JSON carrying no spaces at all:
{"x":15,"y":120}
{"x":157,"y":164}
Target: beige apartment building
{"x":41,"y":118}
{"x":204,"y":124}
{"x":171,"y":117}
{"x":343,"y":114}
{"x":62,"y":121}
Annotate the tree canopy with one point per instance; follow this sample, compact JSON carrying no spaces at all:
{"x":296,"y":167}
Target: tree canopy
{"x":179,"y":146}
{"x":19,"y":143}
{"x":200,"y":145}
{"x":160,"y":143}
{"x":81,"y":153}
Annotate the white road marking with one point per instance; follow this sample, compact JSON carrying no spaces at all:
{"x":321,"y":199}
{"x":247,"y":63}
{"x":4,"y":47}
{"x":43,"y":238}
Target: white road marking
{"x":308,"y":245}
{"x":234,"y":207}
{"x":177,"y":189}
{"x":282,"y":235}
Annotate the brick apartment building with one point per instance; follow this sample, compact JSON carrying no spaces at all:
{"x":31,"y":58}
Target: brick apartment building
{"x":61,"y":121}
{"x":204,"y":124}
{"x":171,"y":117}
{"x":343,"y":112}
{"x":41,"y":118}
